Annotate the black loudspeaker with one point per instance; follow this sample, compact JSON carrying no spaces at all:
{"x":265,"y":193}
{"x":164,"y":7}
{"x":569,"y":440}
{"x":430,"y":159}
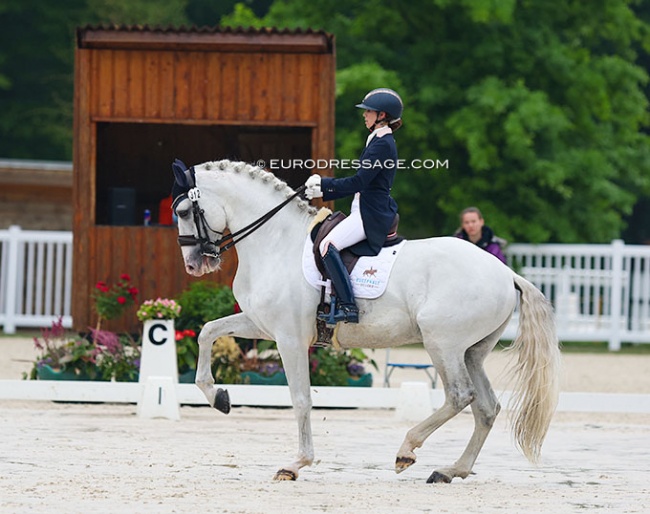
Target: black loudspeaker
{"x":121,"y":206}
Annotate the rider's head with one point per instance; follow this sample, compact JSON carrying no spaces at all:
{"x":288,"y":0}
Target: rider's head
{"x":387,"y":105}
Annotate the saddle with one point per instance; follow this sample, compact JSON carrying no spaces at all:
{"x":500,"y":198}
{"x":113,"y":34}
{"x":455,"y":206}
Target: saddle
{"x":349,"y":258}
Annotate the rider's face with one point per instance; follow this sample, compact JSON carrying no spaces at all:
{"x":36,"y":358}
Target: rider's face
{"x":370,"y":118}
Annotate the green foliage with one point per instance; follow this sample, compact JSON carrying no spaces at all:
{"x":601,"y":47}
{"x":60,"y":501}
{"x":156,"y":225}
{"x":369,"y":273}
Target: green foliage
{"x":187,"y":350}
{"x":331,"y":367}
{"x":111,"y":301}
{"x":103,"y":356}
{"x":539,"y":107}
{"x":202,"y":302}
{"x":117,"y":356}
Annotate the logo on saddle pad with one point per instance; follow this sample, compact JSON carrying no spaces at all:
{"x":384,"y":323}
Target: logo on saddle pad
{"x":370,"y":272}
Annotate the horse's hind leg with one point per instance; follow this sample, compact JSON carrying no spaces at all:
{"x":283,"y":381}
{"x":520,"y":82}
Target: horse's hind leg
{"x":485,"y":408}
{"x":459,"y":393}
{"x":235,"y":325}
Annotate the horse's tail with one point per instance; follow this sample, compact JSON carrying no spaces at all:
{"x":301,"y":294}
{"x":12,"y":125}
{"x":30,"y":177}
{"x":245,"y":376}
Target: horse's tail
{"x":536,"y":374}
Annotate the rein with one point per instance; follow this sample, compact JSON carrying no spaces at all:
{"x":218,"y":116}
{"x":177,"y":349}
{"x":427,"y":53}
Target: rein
{"x":212,"y":248}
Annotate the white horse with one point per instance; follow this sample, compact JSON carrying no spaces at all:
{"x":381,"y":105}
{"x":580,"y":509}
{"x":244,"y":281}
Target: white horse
{"x":454,"y":297}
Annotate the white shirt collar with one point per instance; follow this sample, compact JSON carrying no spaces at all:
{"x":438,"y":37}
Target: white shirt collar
{"x":379,"y":132}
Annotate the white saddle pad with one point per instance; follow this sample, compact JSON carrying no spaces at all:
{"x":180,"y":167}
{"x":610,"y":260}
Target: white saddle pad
{"x":370,"y":274}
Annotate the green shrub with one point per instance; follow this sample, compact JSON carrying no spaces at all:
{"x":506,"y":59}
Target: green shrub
{"x":203,"y":302}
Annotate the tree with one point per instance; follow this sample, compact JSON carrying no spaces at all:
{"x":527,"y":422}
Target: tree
{"x":538,"y":106}
{"x":37,"y":44}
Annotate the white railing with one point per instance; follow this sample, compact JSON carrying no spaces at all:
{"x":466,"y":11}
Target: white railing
{"x":35,"y":278}
{"x":600,"y":292}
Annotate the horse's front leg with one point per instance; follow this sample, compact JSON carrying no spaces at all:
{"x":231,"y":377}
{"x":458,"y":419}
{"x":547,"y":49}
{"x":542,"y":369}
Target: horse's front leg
{"x":236,"y":325}
{"x":295,"y":360}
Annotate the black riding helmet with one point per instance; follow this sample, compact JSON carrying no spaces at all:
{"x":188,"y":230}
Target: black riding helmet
{"x":383,"y":100}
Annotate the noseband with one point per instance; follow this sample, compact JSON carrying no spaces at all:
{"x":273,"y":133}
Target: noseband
{"x":213,"y":247}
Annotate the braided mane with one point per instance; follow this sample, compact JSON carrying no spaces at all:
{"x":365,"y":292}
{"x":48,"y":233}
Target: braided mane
{"x":266,"y":177}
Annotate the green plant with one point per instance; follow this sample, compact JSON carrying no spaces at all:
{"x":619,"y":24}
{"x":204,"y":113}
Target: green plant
{"x":118,"y":356}
{"x":329,"y":366}
{"x":226,"y":359}
{"x":187,"y":350}
{"x":64,"y":353}
{"x":160,"y":308}
{"x":203,"y":302}
{"x":112,"y":300}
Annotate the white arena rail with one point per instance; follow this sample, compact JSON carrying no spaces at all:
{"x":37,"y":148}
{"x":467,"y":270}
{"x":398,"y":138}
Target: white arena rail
{"x":601,"y":292}
{"x":35,"y":278}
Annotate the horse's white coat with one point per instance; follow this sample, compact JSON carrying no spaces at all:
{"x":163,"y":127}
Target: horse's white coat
{"x":445,"y":292}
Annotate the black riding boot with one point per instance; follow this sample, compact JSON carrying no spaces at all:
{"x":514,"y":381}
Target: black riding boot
{"x":346,"y":308}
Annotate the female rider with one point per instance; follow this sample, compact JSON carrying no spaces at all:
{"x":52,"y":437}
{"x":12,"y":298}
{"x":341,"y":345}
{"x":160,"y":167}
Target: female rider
{"x":373,"y":210}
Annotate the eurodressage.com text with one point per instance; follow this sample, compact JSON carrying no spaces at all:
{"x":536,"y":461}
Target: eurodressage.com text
{"x":352,"y":164}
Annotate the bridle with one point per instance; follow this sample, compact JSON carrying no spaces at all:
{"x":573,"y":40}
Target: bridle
{"x":213,"y":247}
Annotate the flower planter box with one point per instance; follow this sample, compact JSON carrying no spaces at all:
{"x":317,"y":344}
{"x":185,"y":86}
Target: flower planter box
{"x":362,"y":381}
{"x":253,"y":378}
{"x":46,"y":372}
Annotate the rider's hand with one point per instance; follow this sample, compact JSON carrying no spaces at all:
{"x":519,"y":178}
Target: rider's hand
{"x":313,"y":187}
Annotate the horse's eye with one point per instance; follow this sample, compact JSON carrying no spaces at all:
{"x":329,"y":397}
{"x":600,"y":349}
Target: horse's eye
{"x":183,"y":214}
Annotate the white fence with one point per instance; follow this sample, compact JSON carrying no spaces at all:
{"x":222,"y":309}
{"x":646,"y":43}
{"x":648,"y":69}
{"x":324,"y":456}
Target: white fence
{"x":35,"y":278}
{"x":600,"y":292}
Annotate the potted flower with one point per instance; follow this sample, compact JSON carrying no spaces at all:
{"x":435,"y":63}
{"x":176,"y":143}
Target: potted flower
{"x":112,"y":300}
{"x":64,"y":357}
{"x":117,"y":357}
{"x":187,"y":351}
{"x":332,"y":367}
{"x":261,"y":364}
{"x":160,"y":308}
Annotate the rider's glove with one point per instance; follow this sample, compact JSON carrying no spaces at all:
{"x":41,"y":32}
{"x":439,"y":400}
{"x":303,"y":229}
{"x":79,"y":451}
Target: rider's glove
{"x":313,"y":187}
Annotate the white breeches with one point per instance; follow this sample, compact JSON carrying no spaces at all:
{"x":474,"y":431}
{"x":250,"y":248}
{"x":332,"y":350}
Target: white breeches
{"x":350,"y":231}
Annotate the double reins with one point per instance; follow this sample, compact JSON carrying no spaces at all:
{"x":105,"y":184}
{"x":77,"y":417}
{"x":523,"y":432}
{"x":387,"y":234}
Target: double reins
{"x":213,"y":247}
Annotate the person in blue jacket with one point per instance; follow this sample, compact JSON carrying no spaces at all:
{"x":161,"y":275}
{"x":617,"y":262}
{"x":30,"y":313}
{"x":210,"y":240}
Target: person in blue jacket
{"x":373,"y":209}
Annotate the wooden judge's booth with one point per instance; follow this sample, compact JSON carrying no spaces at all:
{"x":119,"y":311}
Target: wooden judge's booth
{"x":145,"y":96}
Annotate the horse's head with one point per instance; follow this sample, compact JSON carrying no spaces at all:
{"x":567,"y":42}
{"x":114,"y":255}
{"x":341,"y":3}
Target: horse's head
{"x":201,"y":223}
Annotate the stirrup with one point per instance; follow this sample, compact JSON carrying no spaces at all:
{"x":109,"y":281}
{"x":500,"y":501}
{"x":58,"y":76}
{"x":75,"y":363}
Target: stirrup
{"x":337,"y":313}
{"x":349,"y":312}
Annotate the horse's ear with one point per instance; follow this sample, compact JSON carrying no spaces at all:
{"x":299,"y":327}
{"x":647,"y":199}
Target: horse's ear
{"x":179,"y":168}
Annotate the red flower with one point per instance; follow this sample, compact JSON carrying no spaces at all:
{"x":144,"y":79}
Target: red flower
{"x":100,"y":285}
{"x":125,"y":276}
{"x":121,"y":300}
{"x":133,"y":291}
{"x":180,"y":334}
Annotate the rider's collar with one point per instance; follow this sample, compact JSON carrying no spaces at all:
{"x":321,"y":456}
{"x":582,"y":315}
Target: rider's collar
{"x":379,"y":132}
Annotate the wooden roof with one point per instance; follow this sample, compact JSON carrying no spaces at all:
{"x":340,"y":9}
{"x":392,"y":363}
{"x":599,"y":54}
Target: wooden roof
{"x":35,"y":173}
{"x":224,"y":39}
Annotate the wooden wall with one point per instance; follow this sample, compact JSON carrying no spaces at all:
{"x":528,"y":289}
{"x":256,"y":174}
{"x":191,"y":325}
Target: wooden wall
{"x":127,"y":75}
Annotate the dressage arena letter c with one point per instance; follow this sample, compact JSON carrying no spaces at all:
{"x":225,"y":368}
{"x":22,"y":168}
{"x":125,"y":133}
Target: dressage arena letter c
{"x":152,"y":329}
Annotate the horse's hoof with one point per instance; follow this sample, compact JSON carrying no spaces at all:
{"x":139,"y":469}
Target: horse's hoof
{"x":222,"y":401}
{"x":438,"y":478}
{"x":285,"y":474}
{"x":401,"y":463}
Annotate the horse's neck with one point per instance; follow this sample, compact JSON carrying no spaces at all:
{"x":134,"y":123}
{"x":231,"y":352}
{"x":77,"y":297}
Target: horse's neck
{"x":246,"y":200}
